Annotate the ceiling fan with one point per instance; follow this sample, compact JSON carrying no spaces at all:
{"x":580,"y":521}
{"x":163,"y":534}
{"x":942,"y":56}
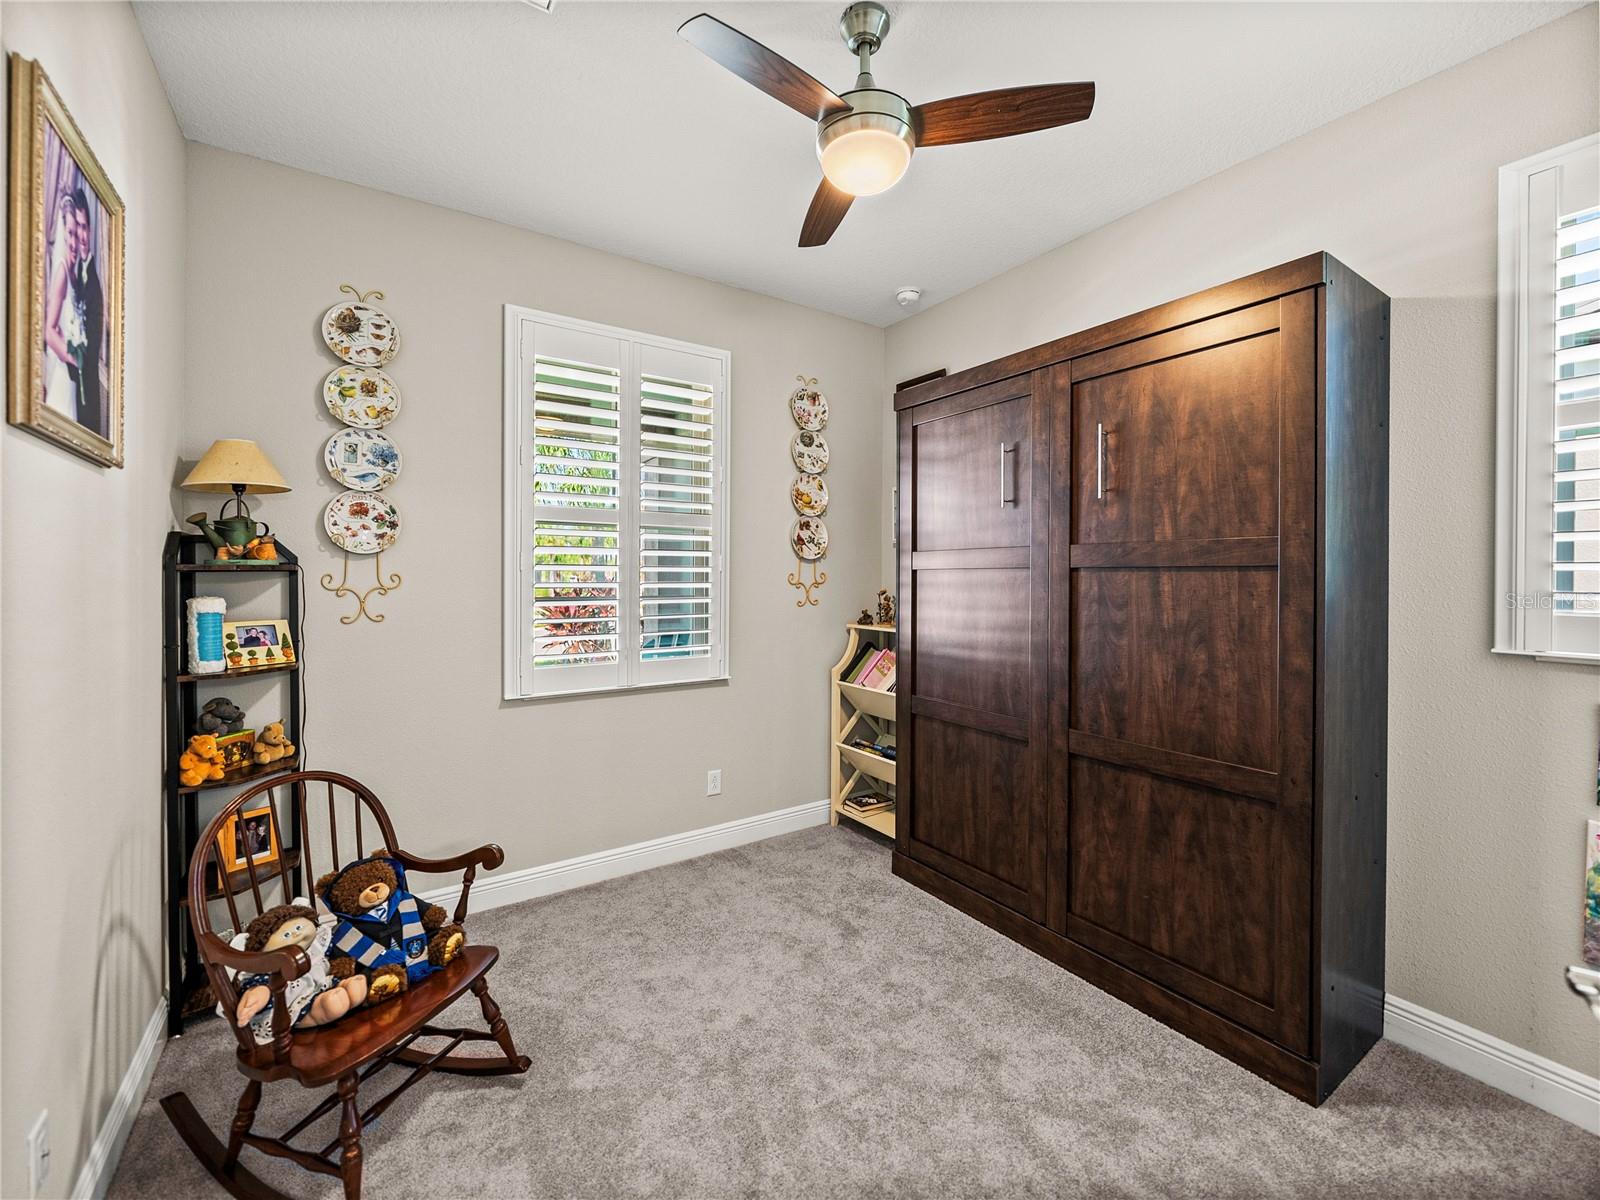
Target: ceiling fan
{"x":865,"y":137}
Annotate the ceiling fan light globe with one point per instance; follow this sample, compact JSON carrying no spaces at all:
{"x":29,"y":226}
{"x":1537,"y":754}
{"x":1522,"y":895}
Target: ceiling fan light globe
{"x":865,"y":162}
{"x":866,"y":150}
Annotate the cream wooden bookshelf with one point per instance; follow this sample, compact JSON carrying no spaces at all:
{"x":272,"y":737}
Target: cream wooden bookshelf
{"x":860,"y":712}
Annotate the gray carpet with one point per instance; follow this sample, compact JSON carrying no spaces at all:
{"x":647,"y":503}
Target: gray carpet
{"x":788,"y":1019}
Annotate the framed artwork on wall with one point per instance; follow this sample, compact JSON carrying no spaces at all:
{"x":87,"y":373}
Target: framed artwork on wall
{"x":66,"y":278}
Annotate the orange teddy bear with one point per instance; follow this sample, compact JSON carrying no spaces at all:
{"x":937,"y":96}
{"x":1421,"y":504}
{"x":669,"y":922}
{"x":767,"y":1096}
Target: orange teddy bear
{"x":200,"y":762}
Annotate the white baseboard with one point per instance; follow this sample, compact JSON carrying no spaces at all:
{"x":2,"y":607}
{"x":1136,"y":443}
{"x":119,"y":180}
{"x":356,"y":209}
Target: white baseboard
{"x":94,"y":1177}
{"x":1543,"y":1083}
{"x":511,"y":887}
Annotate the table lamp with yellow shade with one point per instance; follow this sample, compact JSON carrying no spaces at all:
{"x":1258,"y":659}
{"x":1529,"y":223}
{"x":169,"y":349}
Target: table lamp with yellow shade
{"x":237,"y":466}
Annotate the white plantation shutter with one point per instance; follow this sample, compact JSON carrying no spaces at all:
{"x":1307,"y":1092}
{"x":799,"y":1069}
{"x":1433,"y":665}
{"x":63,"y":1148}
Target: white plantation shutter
{"x":1548,"y":551}
{"x":1576,"y":583}
{"x":615,"y":516}
{"x":678,"y":487}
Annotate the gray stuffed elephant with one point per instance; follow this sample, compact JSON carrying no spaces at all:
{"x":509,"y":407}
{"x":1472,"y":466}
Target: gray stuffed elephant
{"x":220,"y":717}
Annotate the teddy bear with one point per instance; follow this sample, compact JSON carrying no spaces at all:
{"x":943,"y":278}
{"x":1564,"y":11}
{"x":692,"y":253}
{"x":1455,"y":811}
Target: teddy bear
{"x":271,"y":745}
{"x":315,"y":998}
{"x":202,"y":761}
{"x":220,"y":716}
{"x":385,"y":932}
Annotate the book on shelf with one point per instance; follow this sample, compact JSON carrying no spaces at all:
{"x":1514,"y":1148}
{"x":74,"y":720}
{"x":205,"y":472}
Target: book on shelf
{"x":883,"y":747}
{"x":868,"y":804}
{"x":879,"y":674}
{"x":860,"y":676}
{"x":848,"y":675}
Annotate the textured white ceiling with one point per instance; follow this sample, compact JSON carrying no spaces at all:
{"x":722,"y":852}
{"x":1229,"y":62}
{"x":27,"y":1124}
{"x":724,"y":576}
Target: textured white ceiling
{"x":599,"y":125}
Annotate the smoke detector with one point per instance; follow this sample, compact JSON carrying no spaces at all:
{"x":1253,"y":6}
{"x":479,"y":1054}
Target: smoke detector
{"x":907,"y":296}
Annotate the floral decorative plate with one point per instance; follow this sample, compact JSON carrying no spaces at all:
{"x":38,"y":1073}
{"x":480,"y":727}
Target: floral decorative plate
{"x":809,"y":408}
{"x":809,"y":494}
{"x":361,"y":396}
{"x":810,"y":452}
{"x":362,"y":459}
{"x":360,"y":334}
{"x":361,"y":522}
{"x":809,"y":537}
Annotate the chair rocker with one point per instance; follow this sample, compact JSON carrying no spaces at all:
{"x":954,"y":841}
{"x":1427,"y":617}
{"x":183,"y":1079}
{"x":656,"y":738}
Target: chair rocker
{"x":349,"y":1052}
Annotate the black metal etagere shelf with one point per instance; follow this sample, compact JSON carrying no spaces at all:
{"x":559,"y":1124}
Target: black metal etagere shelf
{"x":184,"y":569}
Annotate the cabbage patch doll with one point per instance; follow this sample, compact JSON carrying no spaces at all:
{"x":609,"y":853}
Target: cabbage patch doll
{"x":384,"y":933}
{"x":315,"y":998}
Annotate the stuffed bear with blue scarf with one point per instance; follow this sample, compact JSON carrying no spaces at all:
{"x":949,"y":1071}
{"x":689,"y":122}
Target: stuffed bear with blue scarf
{"x":384,"y":933}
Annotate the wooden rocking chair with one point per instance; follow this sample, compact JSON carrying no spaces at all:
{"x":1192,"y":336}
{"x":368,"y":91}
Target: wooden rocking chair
{"x":349,"y":1052}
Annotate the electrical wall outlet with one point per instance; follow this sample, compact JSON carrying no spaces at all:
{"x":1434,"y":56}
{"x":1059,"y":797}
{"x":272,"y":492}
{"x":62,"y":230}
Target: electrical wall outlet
{"x":714,"y":782}
{"x":39,"y":1153}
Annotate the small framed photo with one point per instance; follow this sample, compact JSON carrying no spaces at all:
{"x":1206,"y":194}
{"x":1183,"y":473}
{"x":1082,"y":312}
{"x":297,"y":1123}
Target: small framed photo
{"x":249,"y":645}
{"x":65,"y":287}
{"x":247,"y":837}
{"x":237,"y":749}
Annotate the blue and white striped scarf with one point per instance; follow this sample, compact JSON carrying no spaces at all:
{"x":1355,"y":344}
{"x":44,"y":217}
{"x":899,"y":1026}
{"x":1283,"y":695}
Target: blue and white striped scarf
{"x":412,"y":945}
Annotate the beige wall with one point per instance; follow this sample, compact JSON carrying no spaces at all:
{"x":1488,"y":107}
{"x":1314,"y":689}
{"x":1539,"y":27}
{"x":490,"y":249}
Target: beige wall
{"x":1491,"y":759}
{"x":413,"y":705}
{"x":80,"y":606}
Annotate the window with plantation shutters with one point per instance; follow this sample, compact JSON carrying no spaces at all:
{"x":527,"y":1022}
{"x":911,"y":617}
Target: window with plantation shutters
{"x":616,"y":446}
{"x":1548,"y":538}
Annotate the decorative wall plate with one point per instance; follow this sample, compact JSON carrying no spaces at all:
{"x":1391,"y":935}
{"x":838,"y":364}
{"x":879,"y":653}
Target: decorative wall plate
{"x":809,"y":495}
{"x":362,"y":459}
{"x":809,"y":408}
{"x":360,"y":334}
{"x":361,"y":522}
{"x":809,"y":537}
{"x":361,"y":396}
{"x":810,"y":452}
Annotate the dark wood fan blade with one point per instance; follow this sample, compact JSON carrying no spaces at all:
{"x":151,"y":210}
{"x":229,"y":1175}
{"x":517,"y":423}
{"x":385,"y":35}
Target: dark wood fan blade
{"x":828,"y":208}
{"x":1001,"y":113}
{"x":767,"y":69}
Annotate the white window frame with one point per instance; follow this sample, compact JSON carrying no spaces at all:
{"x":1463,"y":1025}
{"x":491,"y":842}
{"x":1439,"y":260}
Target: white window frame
{"x":519,"y":515}
{"x":1524,"y":620}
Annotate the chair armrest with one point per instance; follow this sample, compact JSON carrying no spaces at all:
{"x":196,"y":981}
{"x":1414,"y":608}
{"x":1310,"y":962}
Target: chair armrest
{"x":291,"y":962}
{"x":488,"y":857}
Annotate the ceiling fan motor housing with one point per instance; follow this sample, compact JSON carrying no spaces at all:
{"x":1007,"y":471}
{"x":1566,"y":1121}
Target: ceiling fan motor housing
{"x":875,"y":116}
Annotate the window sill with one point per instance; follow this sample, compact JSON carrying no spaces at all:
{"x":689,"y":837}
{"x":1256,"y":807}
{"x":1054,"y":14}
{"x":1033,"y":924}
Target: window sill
{"x":1582,"y":660}
{"x":621,"y":691}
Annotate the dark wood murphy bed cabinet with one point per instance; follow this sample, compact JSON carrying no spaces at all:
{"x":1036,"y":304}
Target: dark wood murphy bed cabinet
{"x":1143,"y":661}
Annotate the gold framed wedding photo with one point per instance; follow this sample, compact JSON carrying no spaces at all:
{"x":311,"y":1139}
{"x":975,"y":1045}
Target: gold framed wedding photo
{"x":66,"y":250}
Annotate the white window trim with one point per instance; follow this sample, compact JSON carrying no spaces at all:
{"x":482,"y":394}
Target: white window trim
{"x":517,"y":505}
{"x":1514,"y":633}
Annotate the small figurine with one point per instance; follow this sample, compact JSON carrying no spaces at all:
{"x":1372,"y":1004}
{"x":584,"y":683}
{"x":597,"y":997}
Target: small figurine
{"x":865,"y":618}
{"x":885,"y":607}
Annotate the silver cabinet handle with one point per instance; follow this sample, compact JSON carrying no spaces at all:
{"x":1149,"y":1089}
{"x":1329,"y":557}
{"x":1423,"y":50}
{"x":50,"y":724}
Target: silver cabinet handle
{"x":1099,"y":460}
{"x":1008,"y":491}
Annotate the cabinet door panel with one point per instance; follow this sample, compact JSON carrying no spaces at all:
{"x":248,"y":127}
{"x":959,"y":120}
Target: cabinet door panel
{"x":1185,"y":660}
{"x":973,"y":633}
{"x":1181,"y":872}
{"x":972,"y":806}
{"x":1180,"y":448}
{"x":973,"y":637}
{"x":968,"y":463}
